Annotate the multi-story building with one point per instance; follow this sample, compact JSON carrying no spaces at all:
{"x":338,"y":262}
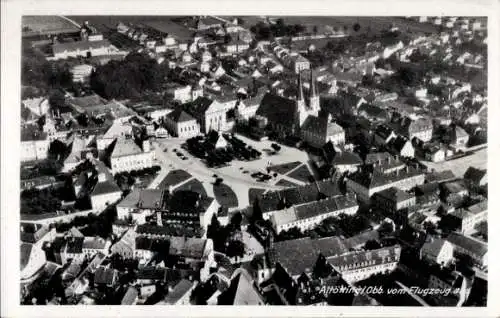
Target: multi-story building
{"x":308,"y":215}
{"x":126,"y":155}
{"x":465,"y":220}
{"x":86,"y":48}
{"x":181,"y":124}
{"x":210,"y":114}
{"x":356,"y":266}
{"x":371,"y":180}
{"x":392,"y":200}
{"x":106,"y":191}
{"x":94,"y":245}
{"x":139,"y":204}
{"x":317,"y":131}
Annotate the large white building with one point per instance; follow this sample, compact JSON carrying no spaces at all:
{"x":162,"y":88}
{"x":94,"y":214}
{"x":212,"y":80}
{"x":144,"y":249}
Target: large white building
{"x":307,"y":216}
{"x":127,"y":155}
{"x":34,"y":144}
{"x":181,"y":124}
{"x":85,"y":48}
{"x":210,"y":114}
{"x":356,"y":266}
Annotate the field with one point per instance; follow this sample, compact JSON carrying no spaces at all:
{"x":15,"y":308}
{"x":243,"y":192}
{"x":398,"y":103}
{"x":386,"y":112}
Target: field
{"x":286,"y":184}
{"x":46,"y":25}
{"x":478,"y":160}
{"x":225,"y":196}
{"x":302,"y":174}
{"x":254,"y":193}
{"x":193,"y":185}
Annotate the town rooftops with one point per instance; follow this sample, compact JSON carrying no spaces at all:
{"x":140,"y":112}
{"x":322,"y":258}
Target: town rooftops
{"x":180,"y":116}
{"x":199,"y":106}
{"x":299,"y":256}
{"x":188,"y":247}
{"x":79,"y":46}
{"x":186,"y":201}
{"x":454,"y":186}
{"x":33,"y":232}
{"x":87,"y":101}
{"x":468,"y":243}
{"x":105,"y":276}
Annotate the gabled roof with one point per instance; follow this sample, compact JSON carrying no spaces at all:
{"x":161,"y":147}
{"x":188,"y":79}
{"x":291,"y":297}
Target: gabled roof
{"x":434,"y":248}
{"x":79,"y":45}
{"x":241,"y":291}
{"x":200,"y":106}
{"x":470,"y":244}
{"x":394,"y":194}
{"x":130,"y":296}
{"x":397,"y":144}
{"x":347,"y":158}
{"x":180,"y":116}
{"x":321,"y":126}
{"x":125,"y":147}
{"x":105,"y":187}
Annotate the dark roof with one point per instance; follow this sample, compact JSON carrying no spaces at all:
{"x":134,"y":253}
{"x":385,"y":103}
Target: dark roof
{"x":152,"y":273}
{"x":383,"y":131}
{"x":434,"y":247}
{"x":321,"y":126}
{"x":347,"y":158}
{"x":32,"y":133}
{"x":241,"y":291}
{"x":394,"y":194}
{"x":475,"y":175}
{"x":278,"y":109}
{"x":105,"y":187}
{"x":180,"y":116}
{"x":188,"y":247}
{"x":198,"y":107}
{"x":468,"y":243}
{"x":427,"y":188}
{"x":454,"y":186}
{"x":25,"y":254}
{"x":186,"y":201}
{"x":32,"y":233}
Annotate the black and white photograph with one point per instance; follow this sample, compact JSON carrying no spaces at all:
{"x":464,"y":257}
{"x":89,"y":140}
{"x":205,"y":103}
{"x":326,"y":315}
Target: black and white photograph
{"x":262,"y":160}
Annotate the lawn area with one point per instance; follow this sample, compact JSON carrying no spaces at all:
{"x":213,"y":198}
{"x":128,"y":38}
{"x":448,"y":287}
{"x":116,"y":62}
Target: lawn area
{"x":173,"y":178}
{"x":193,"y":185}
{"x":225,"y":196}
{"x":302,"y":174}
{"x":254,"y":193}
{"x":286,"y":183}
{"x":285,"y":167}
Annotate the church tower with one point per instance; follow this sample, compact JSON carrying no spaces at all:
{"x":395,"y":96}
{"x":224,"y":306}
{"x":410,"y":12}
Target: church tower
{"x":313,"y":98}
{"x":301,"y":104}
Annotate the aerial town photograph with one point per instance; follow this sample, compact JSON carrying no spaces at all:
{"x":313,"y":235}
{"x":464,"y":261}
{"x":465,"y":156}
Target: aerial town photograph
{"x":254,"y":160}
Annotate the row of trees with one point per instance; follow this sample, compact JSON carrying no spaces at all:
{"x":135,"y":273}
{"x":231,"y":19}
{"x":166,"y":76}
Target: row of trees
{"x":137,"y":73}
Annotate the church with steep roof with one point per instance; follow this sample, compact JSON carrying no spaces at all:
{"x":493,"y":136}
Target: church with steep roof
{"x":300,"y":117}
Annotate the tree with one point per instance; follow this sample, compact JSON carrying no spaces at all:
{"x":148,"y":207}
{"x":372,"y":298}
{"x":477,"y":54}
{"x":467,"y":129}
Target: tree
{"x":356,"y":27}
{"x":315,"y":29}
{"x":257,"y":211}
{"x":236,"y":220}
{"x":235,"y":248}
